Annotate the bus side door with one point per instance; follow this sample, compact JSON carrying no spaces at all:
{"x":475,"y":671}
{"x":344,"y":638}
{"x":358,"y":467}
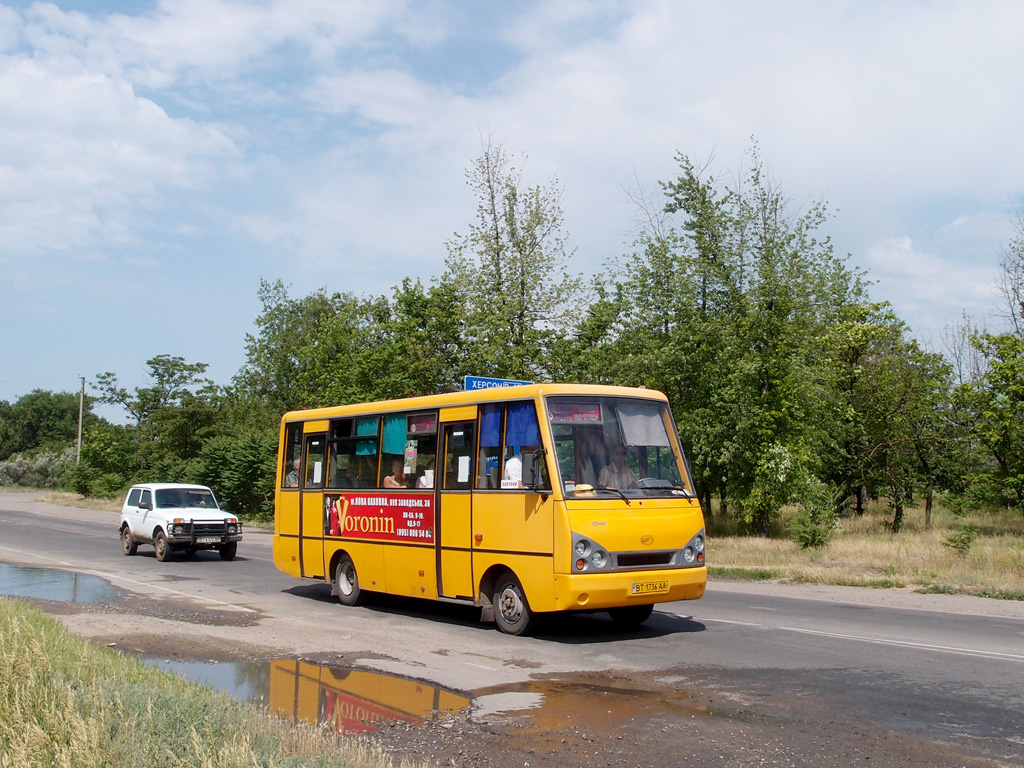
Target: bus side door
{"x":311,"y":510}
{"x":455,"y":503}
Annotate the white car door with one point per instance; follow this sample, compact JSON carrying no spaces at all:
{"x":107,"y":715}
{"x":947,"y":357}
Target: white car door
{"x":144,"y":531}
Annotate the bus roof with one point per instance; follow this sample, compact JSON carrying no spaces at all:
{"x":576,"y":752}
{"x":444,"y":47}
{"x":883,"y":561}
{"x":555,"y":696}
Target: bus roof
{"x":470,"y":397}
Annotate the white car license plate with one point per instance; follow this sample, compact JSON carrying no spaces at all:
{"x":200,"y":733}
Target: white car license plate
{"x":207,"y":539}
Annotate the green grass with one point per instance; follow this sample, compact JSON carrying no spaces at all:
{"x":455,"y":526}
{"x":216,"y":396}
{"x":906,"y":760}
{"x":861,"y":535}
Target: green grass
{"x":743,"y":574}
{"x":64,"y":702}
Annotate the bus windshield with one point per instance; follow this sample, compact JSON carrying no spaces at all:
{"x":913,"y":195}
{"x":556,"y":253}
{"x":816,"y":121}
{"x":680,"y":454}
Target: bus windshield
{"x":616,"y":446}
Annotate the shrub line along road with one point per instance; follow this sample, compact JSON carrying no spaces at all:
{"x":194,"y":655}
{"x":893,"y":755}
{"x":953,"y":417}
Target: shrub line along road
{"x":779,"y":675}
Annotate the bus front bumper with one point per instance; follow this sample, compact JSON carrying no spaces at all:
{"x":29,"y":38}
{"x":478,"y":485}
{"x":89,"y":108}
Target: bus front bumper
{"x":601,"y":591}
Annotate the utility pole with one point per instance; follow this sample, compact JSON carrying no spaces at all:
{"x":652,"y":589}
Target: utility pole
{"x":81,"y":408}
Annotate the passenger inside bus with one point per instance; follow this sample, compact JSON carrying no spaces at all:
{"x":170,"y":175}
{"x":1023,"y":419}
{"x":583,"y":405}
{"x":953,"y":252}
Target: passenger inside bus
{"x":616,"y":474}
{"x":291,"y":480}
{"x":426,"y":480}
{"x":397,"y":478}
{"x":513,"y":477}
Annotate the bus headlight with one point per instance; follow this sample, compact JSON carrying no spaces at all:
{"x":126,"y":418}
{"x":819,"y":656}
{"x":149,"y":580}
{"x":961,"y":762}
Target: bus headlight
{"x":693,"y":552}
{"x":589,"y":555}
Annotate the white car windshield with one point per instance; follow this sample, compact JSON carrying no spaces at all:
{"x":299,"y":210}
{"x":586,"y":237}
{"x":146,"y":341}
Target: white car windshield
{"x":185,"y":497}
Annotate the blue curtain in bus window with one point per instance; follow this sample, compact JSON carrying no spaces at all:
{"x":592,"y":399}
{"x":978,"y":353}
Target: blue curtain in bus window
{"x":522,"y":428}
{"x":366,"y":426}
{"x":490,"y":426}
{"x":394,"y":434}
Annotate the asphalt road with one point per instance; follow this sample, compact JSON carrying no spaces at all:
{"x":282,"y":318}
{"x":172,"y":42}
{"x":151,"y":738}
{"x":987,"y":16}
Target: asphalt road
{"x":912,"y":679}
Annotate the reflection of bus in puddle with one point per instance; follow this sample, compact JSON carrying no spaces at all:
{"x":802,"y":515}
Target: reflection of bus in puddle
{"x":354,"y":701}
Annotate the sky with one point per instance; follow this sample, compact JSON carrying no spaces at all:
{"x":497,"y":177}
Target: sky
{"x":158,"y":159}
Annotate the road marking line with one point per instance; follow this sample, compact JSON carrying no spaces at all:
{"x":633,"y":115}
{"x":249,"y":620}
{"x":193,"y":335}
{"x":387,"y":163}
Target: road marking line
{"x":998,"y":655}
{"x":726,"y":621}
{"x":909,"y":644}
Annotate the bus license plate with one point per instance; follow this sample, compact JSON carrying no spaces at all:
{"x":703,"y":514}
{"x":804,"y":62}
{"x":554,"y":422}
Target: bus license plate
{"x":649,"y":587}
{"x":207,"y":539}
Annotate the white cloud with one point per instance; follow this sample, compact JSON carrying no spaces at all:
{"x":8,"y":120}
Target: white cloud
{"x":923,"y":286}
{"x":326,"y":141}
{"x":81,"y":156}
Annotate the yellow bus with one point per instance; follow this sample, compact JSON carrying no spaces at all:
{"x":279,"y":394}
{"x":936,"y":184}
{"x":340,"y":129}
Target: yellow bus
{"x":521,"y":500}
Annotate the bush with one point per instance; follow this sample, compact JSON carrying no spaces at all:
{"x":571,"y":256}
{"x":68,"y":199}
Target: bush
{"x":818,"y":518}
{"x":241,"y":469}
{"x":40,"y":470}
{"x":961,"y":540}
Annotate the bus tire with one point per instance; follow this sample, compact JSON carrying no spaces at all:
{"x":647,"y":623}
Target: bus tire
{"x":346,"y":582}
{"x":631,"y":615}
{"x":511,"y":610}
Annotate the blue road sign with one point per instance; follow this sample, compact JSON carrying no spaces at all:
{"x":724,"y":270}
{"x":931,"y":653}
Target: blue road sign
{"x":483,"y":382}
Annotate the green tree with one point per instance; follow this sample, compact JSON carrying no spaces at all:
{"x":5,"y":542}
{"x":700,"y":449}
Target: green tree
{"x":108,"y":462}
{"x":421,"y":349}
{"x":511,"y":271}
{"x":902,"y":403}
{"x":997,"y":399}
{"x":308,"y":352}
{"x":990,"y":399}
{"x":726,"y":304}
{"x":42,"y":420}
{"x":590,"y":352}
{"x":172,"y":416}
{"x":240,"y":466}
{"x":895,"y":432}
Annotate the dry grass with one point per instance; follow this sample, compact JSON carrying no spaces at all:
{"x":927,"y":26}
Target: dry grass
{"x":864,"y":553}
{"x":66,"y":499}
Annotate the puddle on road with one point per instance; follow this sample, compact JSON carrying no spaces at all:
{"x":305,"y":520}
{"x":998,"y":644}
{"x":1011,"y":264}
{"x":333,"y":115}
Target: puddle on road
{"x":55,"y":584}
{"x":352,"y":700}
{"x":359,"y":701}
{"x":346,"y":700}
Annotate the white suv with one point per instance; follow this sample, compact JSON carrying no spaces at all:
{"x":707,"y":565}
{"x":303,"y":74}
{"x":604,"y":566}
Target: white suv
{"x":174,"y":516}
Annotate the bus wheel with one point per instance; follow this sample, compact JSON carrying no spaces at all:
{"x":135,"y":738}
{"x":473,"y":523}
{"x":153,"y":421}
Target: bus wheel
{"x":511,"y":611}
{"x":346,"y":582}
{"x":631,"y":615}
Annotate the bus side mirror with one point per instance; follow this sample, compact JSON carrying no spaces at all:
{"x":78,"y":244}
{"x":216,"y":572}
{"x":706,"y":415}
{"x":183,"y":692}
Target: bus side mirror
{"x":531,"y":468}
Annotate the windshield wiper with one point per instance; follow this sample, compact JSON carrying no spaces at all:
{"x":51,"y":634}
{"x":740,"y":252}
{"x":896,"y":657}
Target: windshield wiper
{"x":618,"y":491}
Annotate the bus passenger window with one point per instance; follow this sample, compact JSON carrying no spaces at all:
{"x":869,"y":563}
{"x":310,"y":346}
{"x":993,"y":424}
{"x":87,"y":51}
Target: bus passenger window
{"x":315,"y":462}
{"x":489,"y":460}
{"x":408,"y":450}
{"x":522,"y":433}
{"x":292,"y":456}
{"x":459,"y":440}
